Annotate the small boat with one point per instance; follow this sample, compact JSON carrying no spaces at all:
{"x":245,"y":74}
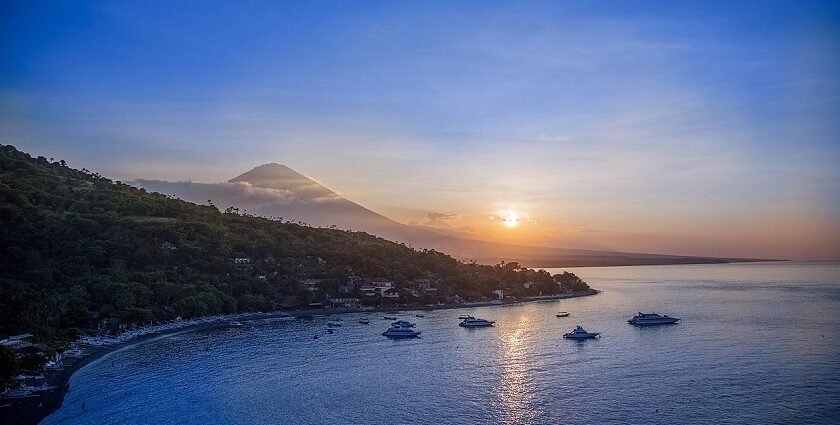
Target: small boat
{"x":580,"y":333}
{"x":364,"y":321}
{"x":419,"y":315}
{"x":16,"y":393}
{"x":403,"y":323}
{"x":335,"y":323}
{"x":389,"y":317}
{"x":397,"y":332}
{"x":472,"y":322}
{"x":650,"y":319}
{"x":234,"y":324}
{"x":464,"y":316}
{"x":563,"y":314}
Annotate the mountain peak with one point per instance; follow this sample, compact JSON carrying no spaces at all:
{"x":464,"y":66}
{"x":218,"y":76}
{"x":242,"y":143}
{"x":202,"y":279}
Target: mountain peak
{"x":281,"y":177}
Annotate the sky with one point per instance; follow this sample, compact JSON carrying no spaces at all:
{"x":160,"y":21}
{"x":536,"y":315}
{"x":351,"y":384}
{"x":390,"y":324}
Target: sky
{"x":695,"y":128}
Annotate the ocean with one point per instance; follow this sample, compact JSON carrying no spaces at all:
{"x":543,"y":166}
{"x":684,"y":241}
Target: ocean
{"x":757,"y":343}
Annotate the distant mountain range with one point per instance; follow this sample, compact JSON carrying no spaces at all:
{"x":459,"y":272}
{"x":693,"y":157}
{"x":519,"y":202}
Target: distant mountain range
{"x":275,"y":190}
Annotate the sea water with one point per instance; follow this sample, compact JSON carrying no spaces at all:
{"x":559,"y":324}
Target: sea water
{"x":756,"y":343}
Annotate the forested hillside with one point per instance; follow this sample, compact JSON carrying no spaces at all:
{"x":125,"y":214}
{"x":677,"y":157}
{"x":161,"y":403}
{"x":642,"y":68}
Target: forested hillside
{"x":78,"y":248}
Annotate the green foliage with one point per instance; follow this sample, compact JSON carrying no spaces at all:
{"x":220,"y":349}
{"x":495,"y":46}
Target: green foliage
{"x":78,"y":248}
{"x":8,"y":366}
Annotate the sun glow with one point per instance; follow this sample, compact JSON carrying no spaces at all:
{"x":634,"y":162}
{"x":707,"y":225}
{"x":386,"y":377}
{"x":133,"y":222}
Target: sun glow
{"x":510,"y":218}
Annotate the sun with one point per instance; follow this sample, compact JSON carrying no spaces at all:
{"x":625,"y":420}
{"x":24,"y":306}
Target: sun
{"x":510,"y":218}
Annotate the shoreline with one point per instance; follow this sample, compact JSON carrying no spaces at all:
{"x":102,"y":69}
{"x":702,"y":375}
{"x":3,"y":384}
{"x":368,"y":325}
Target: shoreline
{"x":33,"y":410}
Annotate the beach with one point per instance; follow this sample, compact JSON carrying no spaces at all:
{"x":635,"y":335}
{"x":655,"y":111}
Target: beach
{"x":32,"y":410}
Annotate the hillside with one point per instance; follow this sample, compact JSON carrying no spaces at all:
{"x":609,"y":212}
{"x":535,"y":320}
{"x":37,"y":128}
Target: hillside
{"x":80,"y":251}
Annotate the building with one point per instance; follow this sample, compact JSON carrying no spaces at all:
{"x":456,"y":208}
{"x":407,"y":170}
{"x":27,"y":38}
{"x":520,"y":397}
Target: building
{"x":311,"y":284}
{"x":500,"y":293}
{"x":390,"y":293}
{"x":345,"y":301}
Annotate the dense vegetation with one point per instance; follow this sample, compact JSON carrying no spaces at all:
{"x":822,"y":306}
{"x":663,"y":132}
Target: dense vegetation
{"x":78,"y":248}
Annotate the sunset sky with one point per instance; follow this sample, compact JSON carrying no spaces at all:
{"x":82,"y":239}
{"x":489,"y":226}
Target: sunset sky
{"x":696,"y":128}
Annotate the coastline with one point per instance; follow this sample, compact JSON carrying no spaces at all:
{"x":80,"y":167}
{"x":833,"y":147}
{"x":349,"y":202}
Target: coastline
{"x":33,"y":410}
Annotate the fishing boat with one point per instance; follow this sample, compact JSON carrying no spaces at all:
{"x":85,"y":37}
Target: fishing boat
{"x":403,"y":323}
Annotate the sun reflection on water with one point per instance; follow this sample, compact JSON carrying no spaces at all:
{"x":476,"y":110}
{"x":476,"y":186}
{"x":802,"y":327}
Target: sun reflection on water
{"x":515,"y":390}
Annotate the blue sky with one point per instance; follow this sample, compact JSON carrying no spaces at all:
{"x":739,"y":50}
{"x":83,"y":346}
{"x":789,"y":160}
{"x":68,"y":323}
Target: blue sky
{"x":689,"y":127}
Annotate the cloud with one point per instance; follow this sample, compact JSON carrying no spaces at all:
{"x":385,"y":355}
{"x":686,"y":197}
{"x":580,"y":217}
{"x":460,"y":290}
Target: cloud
{"x":222,"y":194}
{"x":440,"y":216}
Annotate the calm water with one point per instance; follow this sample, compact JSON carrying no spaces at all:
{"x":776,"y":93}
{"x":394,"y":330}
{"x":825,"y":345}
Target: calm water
{"x":758,"y":343}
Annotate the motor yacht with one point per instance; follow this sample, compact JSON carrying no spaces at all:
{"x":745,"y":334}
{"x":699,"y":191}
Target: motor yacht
{"x":563,"y":314}
{"x":580,"y":333}
{"x":650,"y":319}
{"x":234,"y":324}
{"x":403,"y":323}
{"x":400,"y":332}
{"x":472,"y":322}
{"x":335,"y":323}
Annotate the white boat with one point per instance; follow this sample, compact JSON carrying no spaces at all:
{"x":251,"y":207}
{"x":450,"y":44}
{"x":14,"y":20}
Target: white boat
{"x":16,"y":393}
{"x":580,"y":333}
{"x":400,"y":332}
{"x":234,"y":324}
{"x":335,"y":323}
{"x":403,"y":323}
{"x":563,"y":314}
{"x":464,"y":316}
{"x":650,"y":319}
{"x":472,"y":322}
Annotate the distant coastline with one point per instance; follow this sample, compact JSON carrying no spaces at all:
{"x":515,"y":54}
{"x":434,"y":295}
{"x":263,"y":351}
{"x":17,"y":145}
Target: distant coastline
{"x":35,"y":409}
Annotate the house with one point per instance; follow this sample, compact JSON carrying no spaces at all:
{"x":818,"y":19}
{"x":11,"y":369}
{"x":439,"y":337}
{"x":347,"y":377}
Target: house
{"x":311,"y":284}
{"x":345,"y":301}
{"x":500,"y":293}
{"x":390,"y":293}
{"x":368,"y":291}
{"x":382,"y":283}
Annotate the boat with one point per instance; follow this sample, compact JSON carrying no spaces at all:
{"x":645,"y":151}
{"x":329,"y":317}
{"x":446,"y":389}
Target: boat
{"x":580,"y":333}
{"x":364,"y":321}
{"x":419,"y":315}
{"x":464,"y":316}
{"x":389,"y":317}
{"x":403,"y":323}
{"x":472,"y":322}
{"x":563,"y":314}
{"x":397,"y":332}
{"x":330,"y":330}
{"x":650,"y":319}
{"x":335,"y":323}
{"x":17,"y":393}
{"x":234,"y":324}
